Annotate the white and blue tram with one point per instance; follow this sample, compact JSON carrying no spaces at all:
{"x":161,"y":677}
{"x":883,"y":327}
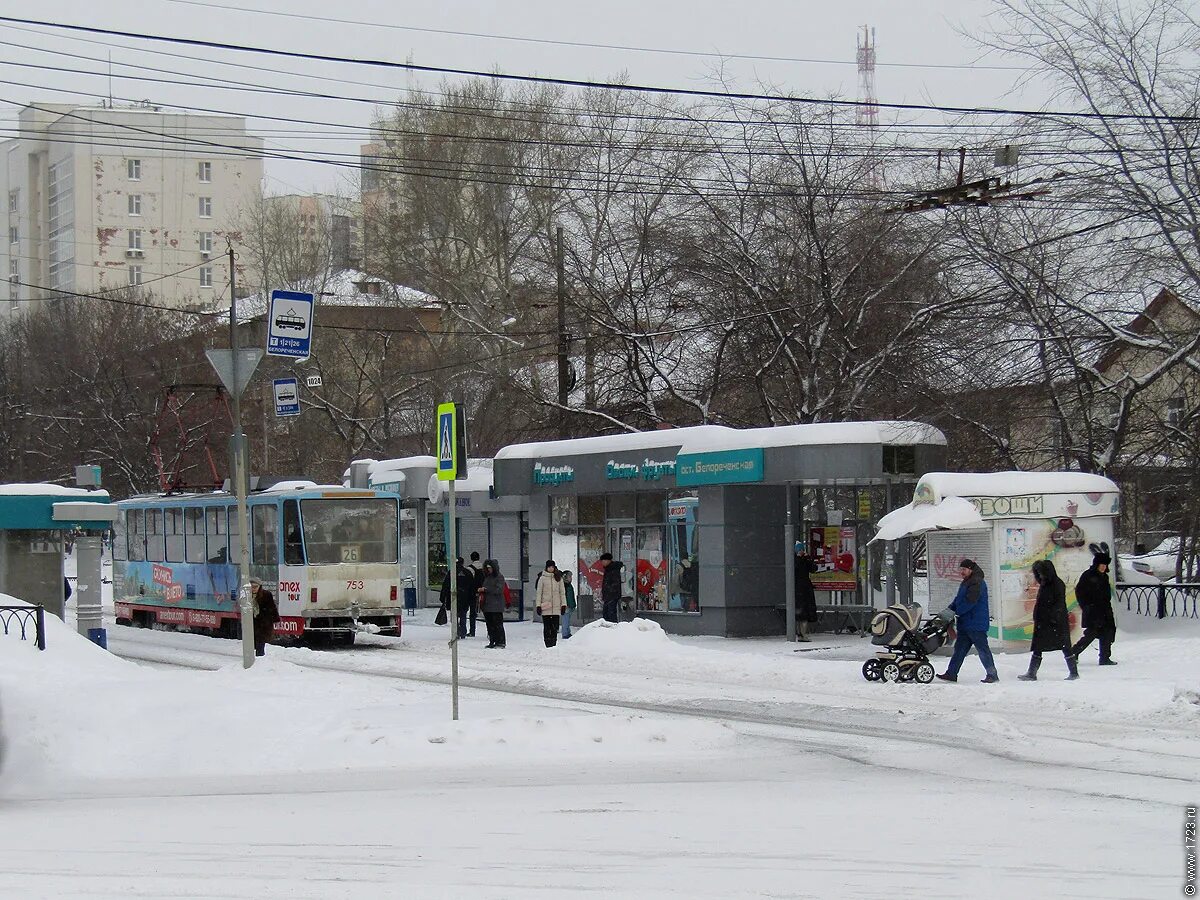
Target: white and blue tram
{"x":330,"y":555}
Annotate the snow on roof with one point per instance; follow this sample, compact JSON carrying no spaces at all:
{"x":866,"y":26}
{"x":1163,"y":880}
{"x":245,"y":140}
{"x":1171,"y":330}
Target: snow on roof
{"x":279,"y":486}
{"x":479,"y":480}
{"x":935,"y":486}
{"x":918,"y":518}
{"x":708,"y":438}
{"x":44,"y":490}
{"x":346,"y":287}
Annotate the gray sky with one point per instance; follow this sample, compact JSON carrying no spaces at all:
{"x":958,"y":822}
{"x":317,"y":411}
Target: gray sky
{"x":908,"y":32}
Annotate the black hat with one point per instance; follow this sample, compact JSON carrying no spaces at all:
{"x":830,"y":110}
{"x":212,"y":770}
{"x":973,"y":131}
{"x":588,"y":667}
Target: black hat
{"x":549,"y":563}
{"x":607,"y":556}
{"x":1100,"y":555}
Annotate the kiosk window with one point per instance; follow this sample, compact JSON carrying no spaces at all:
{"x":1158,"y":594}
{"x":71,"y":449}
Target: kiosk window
{"x":265,"y":524}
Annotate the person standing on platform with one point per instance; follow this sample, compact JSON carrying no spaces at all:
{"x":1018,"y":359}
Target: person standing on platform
{"x":551,"y":601}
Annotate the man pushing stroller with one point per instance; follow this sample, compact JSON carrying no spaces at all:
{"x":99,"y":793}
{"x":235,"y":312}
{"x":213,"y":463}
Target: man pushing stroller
{"x":970,"y":609}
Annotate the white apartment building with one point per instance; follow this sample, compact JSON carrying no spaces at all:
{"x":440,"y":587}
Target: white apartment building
{"x":100,"y":198}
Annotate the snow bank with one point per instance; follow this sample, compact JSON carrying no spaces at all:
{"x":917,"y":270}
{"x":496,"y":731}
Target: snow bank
{"x":81,"y":721}
{"x":641,"y":637}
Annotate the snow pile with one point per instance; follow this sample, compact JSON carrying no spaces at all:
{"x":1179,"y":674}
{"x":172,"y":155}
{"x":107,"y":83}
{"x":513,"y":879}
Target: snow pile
{"x":81,"y":721}
{"x":641,"y":637}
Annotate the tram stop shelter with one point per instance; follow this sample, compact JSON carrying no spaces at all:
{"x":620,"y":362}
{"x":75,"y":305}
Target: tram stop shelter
{"x":1007,"y":521}
{"x":708,"y":520}
{"x":34,"y":534}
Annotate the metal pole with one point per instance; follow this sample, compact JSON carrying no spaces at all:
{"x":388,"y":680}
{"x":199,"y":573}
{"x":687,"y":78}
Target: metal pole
{"x":239,"y":477}
{"x":789,"y":555}
{"x":562,"y":334}
{"x":452,"y":574}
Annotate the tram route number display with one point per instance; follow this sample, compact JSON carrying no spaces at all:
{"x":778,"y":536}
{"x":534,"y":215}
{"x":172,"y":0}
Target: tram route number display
{"x":832,"y":550}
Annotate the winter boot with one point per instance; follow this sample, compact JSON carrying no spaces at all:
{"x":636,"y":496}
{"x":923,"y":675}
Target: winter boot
{"x":992,"y":678}
{"x":948,"y":677}
{"x":1072,"y":667}
{"x":1108,"y":662}
{"x":1035,"y":663}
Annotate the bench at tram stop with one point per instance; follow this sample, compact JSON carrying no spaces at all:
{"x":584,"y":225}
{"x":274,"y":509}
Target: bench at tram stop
{"x":850,"y":618}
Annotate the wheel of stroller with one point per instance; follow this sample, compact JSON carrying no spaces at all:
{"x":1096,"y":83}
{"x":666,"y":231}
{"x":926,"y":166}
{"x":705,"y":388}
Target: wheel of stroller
{"x":891,"y":672}
{"x":924,"y":673}
{"x":872,"y":670}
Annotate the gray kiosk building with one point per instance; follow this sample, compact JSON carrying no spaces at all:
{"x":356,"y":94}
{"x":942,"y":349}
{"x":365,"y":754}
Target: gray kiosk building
{"x":708,"y":520}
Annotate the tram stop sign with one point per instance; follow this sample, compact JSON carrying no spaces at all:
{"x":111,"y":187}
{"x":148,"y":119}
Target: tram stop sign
{"x":450,"y":439}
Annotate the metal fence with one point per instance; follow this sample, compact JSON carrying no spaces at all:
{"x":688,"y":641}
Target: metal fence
{"x":22,"y":618}
{"x":1161,"y":601}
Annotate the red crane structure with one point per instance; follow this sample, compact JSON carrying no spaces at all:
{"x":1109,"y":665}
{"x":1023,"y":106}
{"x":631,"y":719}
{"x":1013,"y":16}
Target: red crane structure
{"x":193,"y":418}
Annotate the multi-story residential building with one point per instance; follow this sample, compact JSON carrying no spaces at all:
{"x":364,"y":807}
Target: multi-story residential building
{"x":330,"y":228}
{"x":100,"y":198}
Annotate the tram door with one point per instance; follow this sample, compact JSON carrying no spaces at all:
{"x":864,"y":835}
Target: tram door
{"x":621,"y":545}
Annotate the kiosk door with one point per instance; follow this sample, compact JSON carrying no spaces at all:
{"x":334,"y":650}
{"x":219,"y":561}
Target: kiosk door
{"x":621,"y":545}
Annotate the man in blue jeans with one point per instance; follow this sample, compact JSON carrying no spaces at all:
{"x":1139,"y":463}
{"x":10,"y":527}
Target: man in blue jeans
{"x":971,"y":611}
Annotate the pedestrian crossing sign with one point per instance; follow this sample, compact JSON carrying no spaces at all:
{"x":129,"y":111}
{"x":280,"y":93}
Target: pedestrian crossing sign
{"x":448,"y":443}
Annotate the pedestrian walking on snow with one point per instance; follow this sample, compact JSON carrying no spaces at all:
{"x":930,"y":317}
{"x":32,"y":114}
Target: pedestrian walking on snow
{"x":491,"y":603}
{"x":551,"y":601}
{"x":1051,"y":627}
{"x":571,"y":604}
{"x":266,"y":614}
{"x":970,"y":608}
{"x":1094,"y":593}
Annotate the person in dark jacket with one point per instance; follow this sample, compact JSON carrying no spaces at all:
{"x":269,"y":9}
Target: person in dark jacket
{"x":806,"y":597}
{"x":1051,"y":627}
{"x":1094,"y":593}
{"x":970,"y":608}
{"x":266,"y":614}
{"x":612,"y":586}
{"x":465,"y":586}
{"x":476,"y":569}
{"x":491,"y":603}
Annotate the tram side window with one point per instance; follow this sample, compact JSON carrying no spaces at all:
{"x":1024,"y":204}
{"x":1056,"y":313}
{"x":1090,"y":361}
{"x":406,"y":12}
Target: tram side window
{"x":215,"y":526}
{"x":136,"y":520}
{"x":265,"y":531}
{"x":235,"y":537}
{"x":119,"y":548}
{"x":193,"y":526}
{"x":155,"y":535}
{"x":173,"y":520}
{"x":293,"y":546}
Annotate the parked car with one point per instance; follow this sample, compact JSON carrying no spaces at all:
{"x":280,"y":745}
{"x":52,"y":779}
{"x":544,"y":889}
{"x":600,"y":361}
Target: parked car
{"x":1159,"y":562}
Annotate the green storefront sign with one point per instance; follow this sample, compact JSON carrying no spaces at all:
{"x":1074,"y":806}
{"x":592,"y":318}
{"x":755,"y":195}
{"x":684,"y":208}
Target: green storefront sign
{"x":719,"y":467}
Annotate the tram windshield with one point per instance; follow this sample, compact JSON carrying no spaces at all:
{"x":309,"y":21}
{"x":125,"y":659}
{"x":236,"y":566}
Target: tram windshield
{"x":349,"y":531}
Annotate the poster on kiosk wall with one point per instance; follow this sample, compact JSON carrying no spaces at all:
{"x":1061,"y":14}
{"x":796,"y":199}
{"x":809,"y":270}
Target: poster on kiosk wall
{"x":832,"y":550}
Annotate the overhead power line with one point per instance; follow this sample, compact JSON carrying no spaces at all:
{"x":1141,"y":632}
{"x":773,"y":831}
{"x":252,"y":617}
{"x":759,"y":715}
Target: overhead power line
{"x":589,"y":44}
{"x":598,"y":85}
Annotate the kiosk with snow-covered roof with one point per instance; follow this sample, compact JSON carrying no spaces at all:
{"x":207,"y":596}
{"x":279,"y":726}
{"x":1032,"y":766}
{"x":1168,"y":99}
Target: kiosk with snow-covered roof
{"x":32,"y":538}
{"x":707,"y":519}
{"x":1007,"y":521}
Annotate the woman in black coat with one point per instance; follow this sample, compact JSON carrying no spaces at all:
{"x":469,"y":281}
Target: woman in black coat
{"x":806,"y":597}
{"x":1051,"y":627}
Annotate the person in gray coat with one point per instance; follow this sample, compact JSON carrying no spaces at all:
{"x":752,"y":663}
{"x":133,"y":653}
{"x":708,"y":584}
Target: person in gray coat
{"x":492,"y":603}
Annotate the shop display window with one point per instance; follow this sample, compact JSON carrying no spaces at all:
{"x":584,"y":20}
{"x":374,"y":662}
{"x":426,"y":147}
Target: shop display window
{"x":650,"y":582}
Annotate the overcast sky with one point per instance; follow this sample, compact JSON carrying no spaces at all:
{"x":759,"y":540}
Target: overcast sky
{"x":912,"y":36}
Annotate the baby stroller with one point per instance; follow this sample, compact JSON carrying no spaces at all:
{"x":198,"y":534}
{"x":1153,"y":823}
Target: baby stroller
{"x":908,"y":644}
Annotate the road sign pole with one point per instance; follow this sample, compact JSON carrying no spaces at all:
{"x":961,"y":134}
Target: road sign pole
{"x":241,"y":458}
{"x":452,"y":574}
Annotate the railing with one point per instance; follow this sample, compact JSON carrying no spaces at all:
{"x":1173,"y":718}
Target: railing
{"x":23,"y":617}
{"x":1161,"y":601}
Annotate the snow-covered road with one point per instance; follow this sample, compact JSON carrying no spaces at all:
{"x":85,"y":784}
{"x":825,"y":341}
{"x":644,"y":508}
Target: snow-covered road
{"x":623,"y":763}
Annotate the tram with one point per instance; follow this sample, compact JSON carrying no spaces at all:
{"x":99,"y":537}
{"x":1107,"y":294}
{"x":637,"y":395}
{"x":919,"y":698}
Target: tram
{"x":330,"y":555}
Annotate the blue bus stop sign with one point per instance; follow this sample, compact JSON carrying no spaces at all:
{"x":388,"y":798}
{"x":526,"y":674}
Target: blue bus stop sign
{"x":289,"y":324}
{"x":287,"y":397}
